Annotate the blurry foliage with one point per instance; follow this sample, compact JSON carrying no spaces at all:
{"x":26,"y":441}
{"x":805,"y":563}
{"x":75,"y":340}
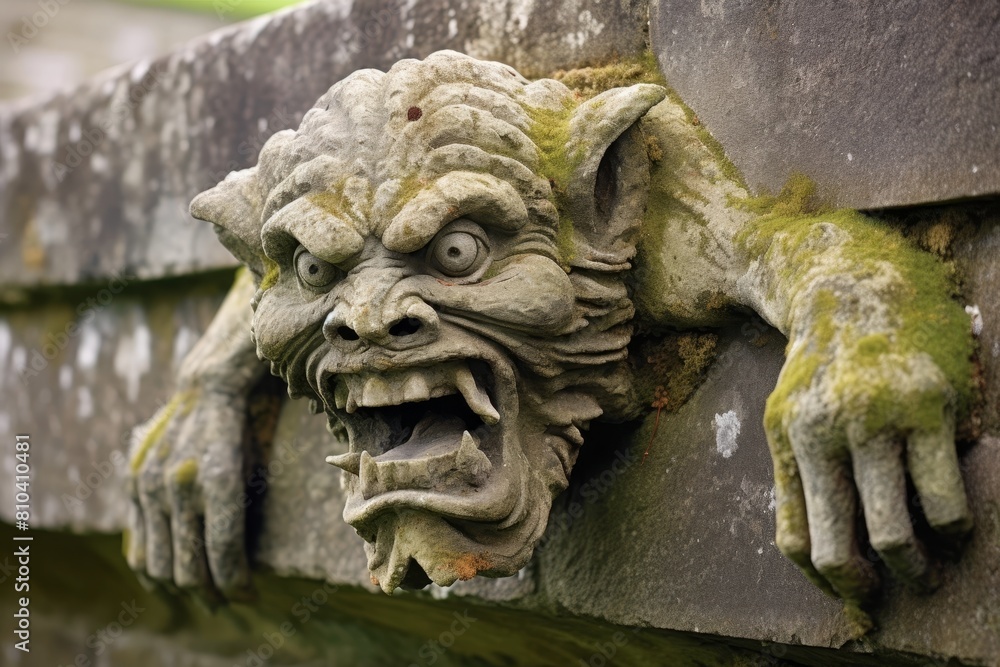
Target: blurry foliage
{"x":224,"y":9}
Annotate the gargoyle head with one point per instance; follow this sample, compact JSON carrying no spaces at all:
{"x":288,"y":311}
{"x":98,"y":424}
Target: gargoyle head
{"x":440,"y":250}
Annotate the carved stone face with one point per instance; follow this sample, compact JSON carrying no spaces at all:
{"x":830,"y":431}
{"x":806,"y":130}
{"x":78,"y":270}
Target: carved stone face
{"x":440,"y":251}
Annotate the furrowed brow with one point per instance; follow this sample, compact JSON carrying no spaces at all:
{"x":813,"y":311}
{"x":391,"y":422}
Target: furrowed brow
{"x":310,"y":221}
{"x":481,"y":197}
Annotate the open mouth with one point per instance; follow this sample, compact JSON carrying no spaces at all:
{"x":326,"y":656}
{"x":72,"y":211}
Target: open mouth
{"x":433,"y":428}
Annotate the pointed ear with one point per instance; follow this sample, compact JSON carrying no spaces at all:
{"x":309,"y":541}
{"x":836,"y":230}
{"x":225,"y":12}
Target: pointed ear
{"x":608,"y":188}
{"x":234,"y":207}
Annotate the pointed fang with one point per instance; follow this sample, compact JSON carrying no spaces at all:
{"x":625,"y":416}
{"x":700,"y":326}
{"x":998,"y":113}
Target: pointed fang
{"x":477,"y":399}
{"x":340,"y":394}
{"x":351,"y":462}
{"x":471,"y":461}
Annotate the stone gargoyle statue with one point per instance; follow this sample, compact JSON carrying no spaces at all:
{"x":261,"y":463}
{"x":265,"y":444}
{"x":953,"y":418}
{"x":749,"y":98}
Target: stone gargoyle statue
{"x":441,"y":259}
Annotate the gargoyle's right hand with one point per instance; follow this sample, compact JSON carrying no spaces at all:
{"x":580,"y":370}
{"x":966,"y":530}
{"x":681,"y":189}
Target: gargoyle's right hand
{"x":188,"y":485}
{"x":189,"y":464}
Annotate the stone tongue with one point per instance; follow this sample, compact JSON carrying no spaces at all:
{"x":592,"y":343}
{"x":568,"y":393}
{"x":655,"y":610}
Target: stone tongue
{"x":439,"y":454}
{"x":453,"y":457}
{"x":432,"y":436}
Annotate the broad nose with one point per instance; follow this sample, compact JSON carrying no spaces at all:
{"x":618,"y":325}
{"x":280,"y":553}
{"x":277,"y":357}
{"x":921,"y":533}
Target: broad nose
{"x":410,"y":324}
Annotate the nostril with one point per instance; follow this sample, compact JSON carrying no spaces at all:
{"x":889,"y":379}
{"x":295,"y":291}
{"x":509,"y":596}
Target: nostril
{"x":405,"y":327}
{"x":347,"y":333}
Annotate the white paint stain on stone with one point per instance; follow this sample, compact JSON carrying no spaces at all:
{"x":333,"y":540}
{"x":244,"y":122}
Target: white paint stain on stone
{"x":727,"y":429}
{"x":133,"y":358}
{"x":89,"y":348}
{"x":977,"y":319}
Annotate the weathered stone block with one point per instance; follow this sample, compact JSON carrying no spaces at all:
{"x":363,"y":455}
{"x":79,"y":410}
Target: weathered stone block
{"x":885,"y":104}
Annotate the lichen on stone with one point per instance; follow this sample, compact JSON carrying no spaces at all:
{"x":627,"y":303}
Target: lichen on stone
{"x":914,"y":287}
{"x":180,"y":404}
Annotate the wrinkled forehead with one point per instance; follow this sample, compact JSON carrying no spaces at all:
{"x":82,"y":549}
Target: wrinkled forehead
{"x":333,"y":223}
{"x":397,"y":155}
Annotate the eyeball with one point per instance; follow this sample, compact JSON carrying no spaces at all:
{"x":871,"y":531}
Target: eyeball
{"x":314,"y":271}
{"x":457,"y":253}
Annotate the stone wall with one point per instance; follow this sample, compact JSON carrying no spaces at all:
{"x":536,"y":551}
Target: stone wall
{"x":106,"y":282}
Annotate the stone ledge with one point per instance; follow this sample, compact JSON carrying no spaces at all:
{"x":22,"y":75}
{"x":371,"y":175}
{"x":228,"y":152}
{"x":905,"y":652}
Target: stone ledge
{"x":97,"y":180}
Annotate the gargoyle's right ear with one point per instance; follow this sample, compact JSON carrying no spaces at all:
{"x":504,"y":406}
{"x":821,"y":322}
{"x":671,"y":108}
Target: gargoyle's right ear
{"x":234,"y":207}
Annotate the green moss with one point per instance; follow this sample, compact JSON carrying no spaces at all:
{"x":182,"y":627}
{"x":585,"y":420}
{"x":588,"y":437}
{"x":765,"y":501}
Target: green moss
{"x":797,"y":374}
{"x":223,"y":9}
{"x":565,"y":244}
{"x":409,"y":187}
{"x":872,"y":346}
{"x":549,"y":130}
{"x":126,"y":542}
{"x":797,"y":197}
{"x":669,"y":202}
{"x":271,"y":272}
{"x":590,"y":81}
{"x":726,"y":166}
{"x":180,"y":404}
{"x":186,"y":472}
{"x":329,"y":200}
{"x":679,"y":365}
{"x":928,"y":317}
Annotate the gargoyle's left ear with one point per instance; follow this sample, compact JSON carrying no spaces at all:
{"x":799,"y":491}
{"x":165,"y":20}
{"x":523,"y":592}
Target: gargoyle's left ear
{"x":607,"y":189}
{"x":234,"y":207}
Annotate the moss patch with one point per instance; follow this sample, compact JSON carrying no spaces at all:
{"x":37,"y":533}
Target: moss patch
{"x":797,"y":197}
{"x":549,"y":131}
{"x":180,"y":404}
{"x":588,"y":82}
{"x":186,"y":472}
{"x":271,"y":273}
{"x":927,"y":317}
{"x":677,"y":365}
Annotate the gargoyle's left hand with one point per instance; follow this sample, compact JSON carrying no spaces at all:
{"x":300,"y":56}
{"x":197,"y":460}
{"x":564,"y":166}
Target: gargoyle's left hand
{"x":850,"y":417}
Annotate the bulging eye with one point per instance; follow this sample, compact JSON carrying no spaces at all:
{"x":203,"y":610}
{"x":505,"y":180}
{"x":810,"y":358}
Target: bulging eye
{"x":314,"y":271}
{"x":457,"y":253}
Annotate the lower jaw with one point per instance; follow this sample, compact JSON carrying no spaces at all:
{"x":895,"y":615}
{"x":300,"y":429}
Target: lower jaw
{"x":413,"y":549}
{"x":493,"y":503}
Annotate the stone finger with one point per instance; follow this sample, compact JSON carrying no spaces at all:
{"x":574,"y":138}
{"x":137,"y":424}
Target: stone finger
{"x":134,"y":538}
{"x":225,"y":536}
{"x":933,"y":463}
{"x":831,"y":504}
{"x":159,"y":548}
{"x":881,"y":481}
{"x":791,"y":519}
{"x":190,"y":564}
